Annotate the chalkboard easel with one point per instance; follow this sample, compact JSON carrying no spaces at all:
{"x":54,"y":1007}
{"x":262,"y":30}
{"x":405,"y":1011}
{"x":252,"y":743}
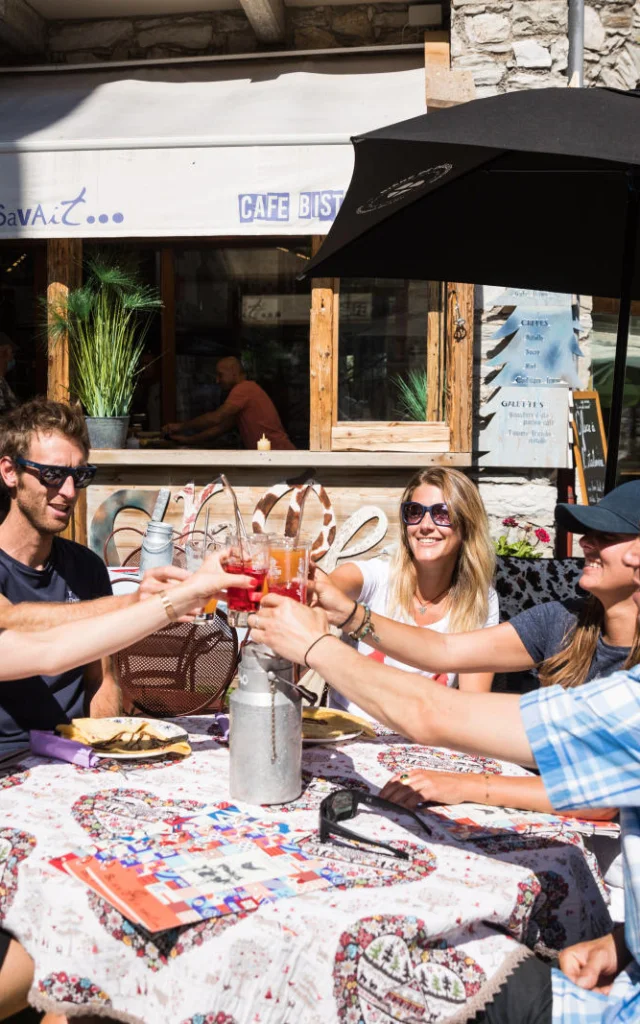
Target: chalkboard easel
{"x":590,"y":447}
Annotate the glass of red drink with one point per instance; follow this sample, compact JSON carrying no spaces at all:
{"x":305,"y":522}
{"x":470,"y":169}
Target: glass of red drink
{"x":288,"y":567}
{"x":248,"y":556}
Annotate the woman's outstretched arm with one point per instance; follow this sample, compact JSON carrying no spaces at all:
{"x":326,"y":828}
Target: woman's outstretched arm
{"x":55,"y":650}
{"x":414,"y":787}
{"x":495,"y":649}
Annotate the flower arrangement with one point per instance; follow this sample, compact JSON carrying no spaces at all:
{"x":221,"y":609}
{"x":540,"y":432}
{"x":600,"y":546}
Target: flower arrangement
{"x":522,"y":544}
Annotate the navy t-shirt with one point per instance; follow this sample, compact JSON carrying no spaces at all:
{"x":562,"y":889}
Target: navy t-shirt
{"x":543,"y":630}
{"x":73,"y":573}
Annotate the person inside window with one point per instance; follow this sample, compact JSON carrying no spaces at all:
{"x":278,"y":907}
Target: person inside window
{"x":440,"y":575}
{"x":246,"y":406}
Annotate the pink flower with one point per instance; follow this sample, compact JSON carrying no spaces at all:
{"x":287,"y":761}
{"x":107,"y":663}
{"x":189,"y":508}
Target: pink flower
{"x":510,"y":521}
{"x":542,"y":535}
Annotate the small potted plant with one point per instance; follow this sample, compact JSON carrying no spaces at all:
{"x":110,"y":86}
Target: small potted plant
{"x":106,"y":321}
{"x":523,"y":543}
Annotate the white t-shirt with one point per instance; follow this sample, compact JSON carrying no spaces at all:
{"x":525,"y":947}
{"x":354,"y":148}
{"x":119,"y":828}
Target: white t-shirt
{"x":375,"y":593}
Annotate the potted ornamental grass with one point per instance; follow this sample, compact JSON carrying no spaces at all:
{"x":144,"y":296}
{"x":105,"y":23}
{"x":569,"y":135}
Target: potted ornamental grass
{"x":411,"y":395}
{"x":106,"y":321}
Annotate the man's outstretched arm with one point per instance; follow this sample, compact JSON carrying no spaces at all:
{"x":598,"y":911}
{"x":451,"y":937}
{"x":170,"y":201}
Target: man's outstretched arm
{"x":424,"y":711}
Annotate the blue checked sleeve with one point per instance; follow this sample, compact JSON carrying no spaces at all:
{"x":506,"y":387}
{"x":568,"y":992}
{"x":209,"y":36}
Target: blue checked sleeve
{"x":586,"y":741}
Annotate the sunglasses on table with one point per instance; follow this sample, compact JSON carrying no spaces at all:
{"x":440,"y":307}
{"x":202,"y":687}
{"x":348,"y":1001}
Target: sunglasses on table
{"x":342,"y":805}
{"x":413,"y":513}
{"x":55,"y":476}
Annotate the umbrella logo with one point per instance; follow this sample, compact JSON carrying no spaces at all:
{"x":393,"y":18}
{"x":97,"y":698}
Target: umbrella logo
{"x":406,"y":187}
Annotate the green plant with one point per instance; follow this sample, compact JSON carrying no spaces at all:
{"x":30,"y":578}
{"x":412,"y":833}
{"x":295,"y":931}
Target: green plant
{"x":412,"y":394}
{"x":522,"y":545}
{"x":106,"y":321}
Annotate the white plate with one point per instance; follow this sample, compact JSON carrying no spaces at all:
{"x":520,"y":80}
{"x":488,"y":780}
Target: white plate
{"x":172,"y":733}
{"x":333,"y":739}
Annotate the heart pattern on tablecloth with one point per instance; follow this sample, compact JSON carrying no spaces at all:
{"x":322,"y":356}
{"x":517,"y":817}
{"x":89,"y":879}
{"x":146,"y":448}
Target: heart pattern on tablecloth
{"x":15,"y":845}
{"x":72,"y":988}
{"x":130,"y":812}
{"x":404,"y":757}
{"x":161,"y":948}
{"x":387,"y":969}
{"x":210,"y":1018}
{"x":19,"y":774}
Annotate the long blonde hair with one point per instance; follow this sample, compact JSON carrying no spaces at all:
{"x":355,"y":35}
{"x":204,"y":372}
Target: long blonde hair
{"x":468,"y":596}
{"x":570,"y":666}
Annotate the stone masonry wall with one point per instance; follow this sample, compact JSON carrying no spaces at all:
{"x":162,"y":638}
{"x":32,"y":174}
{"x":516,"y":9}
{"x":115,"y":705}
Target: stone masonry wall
{"x":220,"y":32}
{"x":523,"y":44}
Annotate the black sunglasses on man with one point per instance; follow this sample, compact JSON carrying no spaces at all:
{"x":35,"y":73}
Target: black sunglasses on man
{"x":342,"y":805}
{"x":55,"y":476}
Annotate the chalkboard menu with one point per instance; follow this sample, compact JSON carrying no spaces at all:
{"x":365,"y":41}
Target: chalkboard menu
{"x":590,"y":448}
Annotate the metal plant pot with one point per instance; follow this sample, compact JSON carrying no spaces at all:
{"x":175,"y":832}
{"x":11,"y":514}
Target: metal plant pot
{"x":107,"y":431}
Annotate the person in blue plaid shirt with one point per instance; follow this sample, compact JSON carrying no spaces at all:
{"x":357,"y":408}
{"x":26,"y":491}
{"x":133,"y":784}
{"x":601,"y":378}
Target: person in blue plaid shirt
{"x":586,"y":745}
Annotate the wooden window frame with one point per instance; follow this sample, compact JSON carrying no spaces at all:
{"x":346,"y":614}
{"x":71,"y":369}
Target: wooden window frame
{"x":448,"y":423}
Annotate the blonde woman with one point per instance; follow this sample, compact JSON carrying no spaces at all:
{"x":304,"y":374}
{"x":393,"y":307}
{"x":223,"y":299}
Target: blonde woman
{"x":440,"y":576}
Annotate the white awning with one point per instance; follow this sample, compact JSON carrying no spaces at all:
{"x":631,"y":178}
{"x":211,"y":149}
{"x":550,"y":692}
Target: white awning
{"x":248,"y":148}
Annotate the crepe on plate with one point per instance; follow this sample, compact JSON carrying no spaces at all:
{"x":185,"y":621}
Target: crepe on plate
{"x":328,"y":724}
{"x":107,"y":736}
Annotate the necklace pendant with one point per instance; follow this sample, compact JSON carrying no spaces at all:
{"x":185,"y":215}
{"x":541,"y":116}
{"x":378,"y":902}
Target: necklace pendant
{"x":422,"y":608}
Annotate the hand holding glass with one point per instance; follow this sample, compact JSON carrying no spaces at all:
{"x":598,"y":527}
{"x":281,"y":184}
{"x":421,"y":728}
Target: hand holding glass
{"x":245,"y":556}
{"x":288,"y":568}
{"x":196,"y":549}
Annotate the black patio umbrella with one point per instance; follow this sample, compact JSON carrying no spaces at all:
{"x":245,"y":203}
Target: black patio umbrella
{"x":536,"y":189}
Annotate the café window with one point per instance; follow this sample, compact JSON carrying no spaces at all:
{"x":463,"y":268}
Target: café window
{"x":244,"y":300}
{"x":395,"y":358}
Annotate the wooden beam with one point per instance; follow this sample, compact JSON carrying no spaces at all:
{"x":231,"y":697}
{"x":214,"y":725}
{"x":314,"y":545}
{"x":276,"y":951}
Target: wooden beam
{"x":401,"y":436}
{"x":459,"y":363}
{"x":267,"y":19}
{"x":168,"y":334}
{"x":322,"y":357}
{"x":436,"y":318}
{"x":64,"y":273}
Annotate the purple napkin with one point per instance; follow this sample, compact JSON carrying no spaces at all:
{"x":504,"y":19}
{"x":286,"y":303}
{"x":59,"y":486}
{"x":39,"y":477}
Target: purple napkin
{"x":47,"y":744}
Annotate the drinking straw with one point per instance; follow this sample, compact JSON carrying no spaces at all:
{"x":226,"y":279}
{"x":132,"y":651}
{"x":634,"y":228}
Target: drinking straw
{"x":307,"y":487}
{"x":240,"y":527}
{"x":206,"y":531}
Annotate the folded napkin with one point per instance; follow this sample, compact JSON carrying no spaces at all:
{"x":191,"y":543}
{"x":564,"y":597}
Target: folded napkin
{"x":327,"y":723}
{"x":107,"y":736}
{"x":47,"y":744}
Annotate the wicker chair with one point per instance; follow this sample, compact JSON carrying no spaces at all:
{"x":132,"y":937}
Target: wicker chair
{"x":183,"y":669}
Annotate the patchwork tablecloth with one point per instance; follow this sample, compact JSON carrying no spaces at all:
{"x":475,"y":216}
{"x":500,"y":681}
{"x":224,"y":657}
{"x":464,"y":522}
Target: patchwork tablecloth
{"x":429,"y":939}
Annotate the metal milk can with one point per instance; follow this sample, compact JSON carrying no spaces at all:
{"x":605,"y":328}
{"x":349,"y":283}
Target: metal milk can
{"x":157,"y":546}
{"x":265,"y":735}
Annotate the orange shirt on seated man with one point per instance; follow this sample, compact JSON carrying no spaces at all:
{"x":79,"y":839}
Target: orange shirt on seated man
{"x":246,"y":406}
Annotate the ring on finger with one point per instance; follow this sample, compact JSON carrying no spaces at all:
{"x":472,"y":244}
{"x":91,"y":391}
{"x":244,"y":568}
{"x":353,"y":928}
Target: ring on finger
{"x":403,"y":777}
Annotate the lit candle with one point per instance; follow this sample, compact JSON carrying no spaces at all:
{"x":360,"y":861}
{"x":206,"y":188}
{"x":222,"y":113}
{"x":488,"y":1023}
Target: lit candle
{"x":264,"y":444}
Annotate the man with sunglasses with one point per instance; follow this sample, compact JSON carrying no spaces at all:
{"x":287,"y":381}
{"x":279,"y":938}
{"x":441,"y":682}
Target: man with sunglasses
{"x":46,"y":580}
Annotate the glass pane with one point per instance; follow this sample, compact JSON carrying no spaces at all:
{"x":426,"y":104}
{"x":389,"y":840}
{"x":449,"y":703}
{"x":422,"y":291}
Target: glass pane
{"x":603,"y":346}
{"x":22,"y":320}
{"x":246,"y":302}
{"x":382,"y":354}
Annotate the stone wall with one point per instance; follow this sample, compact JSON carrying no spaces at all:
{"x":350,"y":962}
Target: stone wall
{"x":523,"y":44}
{"x":220,"y":32}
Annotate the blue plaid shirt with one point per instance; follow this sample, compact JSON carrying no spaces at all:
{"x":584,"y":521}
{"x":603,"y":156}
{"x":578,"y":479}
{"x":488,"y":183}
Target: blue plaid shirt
{"x":586,"y":742}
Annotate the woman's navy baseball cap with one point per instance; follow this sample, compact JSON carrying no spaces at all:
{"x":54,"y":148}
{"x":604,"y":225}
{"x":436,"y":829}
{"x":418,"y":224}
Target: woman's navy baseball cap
{"x":617,"y":512}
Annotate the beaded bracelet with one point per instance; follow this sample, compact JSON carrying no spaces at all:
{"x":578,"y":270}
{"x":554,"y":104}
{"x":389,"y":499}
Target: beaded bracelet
{"x":365,"y":628}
